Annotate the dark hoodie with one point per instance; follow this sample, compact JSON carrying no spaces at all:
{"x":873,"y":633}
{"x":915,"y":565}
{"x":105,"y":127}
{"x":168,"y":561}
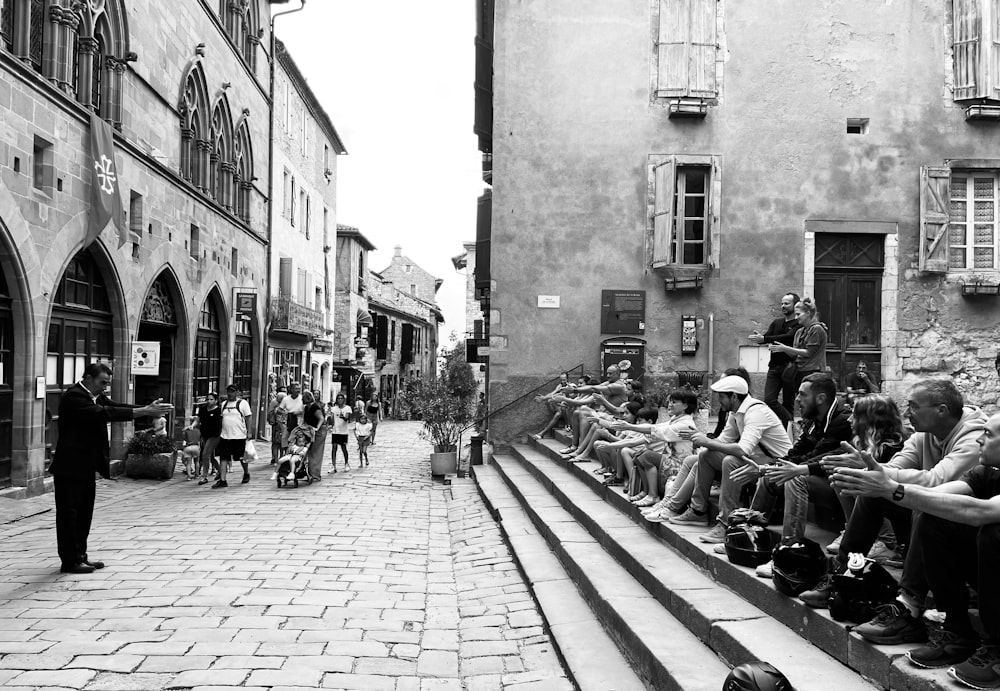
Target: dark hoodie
{"x":821,"y":438}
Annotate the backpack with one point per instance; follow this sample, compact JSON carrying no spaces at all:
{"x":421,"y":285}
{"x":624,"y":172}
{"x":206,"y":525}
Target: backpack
{"x":860,"y":589}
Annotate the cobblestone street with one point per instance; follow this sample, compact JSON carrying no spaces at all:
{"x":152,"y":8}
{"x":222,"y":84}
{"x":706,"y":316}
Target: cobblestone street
{"x":372,"y":579}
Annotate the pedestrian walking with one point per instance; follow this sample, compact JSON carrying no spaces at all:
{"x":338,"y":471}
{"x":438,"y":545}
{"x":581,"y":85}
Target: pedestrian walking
{"x":293,"y":406}
{"x":340,"y":416}
{"x":277,"y":417}
{"x":83,"y":449}
{"x":191,"y":451}
{"x":210,"y":424}
{"x":781,"y":330}
{"x":233,"y":440}
{"x":315,"y":418}
{"x":364,"y":430}
{"x":374,"y":414}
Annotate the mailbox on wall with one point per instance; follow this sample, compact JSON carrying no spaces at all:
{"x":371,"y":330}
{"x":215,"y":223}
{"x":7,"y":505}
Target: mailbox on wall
{"x":689,"y":334}
{"x":628,"y":354}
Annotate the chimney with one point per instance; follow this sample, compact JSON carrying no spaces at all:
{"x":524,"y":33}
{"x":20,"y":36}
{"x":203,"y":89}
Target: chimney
{"x":399,"y":250}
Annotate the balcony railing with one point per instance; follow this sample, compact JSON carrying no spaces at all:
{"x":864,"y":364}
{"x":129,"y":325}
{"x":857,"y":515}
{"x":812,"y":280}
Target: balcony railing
{"x":288,"y":315}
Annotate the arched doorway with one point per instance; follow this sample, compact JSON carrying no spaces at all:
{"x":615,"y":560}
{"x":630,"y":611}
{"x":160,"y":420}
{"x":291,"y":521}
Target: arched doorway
{"x":158,"y":322}
{"x":208,"y":351}
{"x":80,"y":332}
{"x":6,"y":379}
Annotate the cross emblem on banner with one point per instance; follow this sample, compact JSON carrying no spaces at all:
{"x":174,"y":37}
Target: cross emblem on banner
{"x":105,"y":170}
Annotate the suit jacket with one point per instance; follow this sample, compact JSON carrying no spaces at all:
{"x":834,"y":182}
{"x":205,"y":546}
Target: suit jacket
{"x":83,"y":447}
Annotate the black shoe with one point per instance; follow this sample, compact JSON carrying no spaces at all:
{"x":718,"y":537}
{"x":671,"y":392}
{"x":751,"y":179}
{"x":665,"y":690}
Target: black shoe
{"x":95,"y":564}
{"x":203,"y":481}
{"x":220,"y":483}
{"x":893,"y":624}
{"x":944,"y":648}
{"x":246,"y":478}
{"x":77,"y":568}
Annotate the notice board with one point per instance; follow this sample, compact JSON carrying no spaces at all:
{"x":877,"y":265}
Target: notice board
{"x":623,"y":312}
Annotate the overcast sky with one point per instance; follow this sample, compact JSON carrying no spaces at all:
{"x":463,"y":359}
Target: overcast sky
{"x":396,"y":78}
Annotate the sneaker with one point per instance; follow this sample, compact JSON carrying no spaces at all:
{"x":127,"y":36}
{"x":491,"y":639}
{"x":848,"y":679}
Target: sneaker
{"x":834,"y":547}
{"x":893,"y":624}
{"x":220,"y":483}
{"x":764,"y":570}
{"x":655,"y":508}
{"x":819,"y":597}
{"x":881,"y":553}
{"x":719,"y":548}
{"x":646,"y":502}
{"x":661,"y":516}
{"x":944,"y":648}
{"x":716,"y":535}
{"x":981,"y":671}
{"x":689,"y":517}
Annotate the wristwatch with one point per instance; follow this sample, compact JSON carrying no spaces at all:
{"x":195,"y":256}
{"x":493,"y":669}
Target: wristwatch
{"x":897,"y":494}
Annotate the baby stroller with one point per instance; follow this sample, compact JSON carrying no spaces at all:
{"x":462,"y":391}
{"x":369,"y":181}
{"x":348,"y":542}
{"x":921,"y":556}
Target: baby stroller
{"x":294,"y":465}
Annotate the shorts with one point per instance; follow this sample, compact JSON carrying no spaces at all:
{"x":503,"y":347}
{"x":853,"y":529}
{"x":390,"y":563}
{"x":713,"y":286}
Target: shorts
{"x":232,"y":449}
{"x":338,"y":438}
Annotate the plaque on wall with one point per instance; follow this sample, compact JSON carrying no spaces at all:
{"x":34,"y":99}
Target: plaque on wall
{"x":623,"y":311}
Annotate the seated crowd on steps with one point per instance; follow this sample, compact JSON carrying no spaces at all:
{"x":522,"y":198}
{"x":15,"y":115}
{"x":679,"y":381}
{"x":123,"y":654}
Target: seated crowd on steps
{"x":922,"y":493}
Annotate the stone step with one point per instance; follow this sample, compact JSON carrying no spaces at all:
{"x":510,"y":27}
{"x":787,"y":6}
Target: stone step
{"x":649,"y":636}
{"x":575,"y":629}
{"x":569,"y":482}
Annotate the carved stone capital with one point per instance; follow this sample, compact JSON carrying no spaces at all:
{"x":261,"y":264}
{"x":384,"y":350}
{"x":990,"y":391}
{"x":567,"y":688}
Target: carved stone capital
{"x":187,"y":133}
{"x":204,"y":145}
{"x":228,"y":166}
{"x":87,"y":45}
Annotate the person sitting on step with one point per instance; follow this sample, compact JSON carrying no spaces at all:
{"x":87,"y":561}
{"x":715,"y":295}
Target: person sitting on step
{"x":753,"y":436}
{"x":958,"y":531}
{"x":602,"y":432}
{"x":614,"y":392}
{"x":944,"y":446}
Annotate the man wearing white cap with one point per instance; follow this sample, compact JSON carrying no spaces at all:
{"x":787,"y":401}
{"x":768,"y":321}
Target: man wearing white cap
{"x":753,"y":436}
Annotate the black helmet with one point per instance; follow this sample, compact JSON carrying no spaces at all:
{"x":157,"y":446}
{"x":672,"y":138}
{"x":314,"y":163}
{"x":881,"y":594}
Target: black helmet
{"x":798,"y":567}
{"x":756,"y":676}
{"x":750,"y":545}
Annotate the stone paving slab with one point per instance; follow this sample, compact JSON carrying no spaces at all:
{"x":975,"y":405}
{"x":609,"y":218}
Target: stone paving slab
{"x":377,"y":578}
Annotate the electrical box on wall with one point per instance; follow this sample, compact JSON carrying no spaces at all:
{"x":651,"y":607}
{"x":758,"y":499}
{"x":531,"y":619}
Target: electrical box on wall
{"x":623,"y":312}
{"x":689,"y":334}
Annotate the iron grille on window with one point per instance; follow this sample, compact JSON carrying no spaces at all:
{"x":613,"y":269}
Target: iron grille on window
{"x":7,"y":24}
{"x":36,"y":37}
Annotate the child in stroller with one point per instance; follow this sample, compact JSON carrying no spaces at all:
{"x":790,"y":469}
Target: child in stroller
{"x":294,"y":464}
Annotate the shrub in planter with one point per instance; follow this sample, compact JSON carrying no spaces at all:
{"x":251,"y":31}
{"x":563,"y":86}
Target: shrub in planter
{"x":445,"y":416}
{"x":150,"y":456}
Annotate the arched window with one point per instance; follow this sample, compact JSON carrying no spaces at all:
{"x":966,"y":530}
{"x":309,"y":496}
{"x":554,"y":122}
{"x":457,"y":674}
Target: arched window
{"x":97,"y":51}
{"x":194,"y":127}
{"x":221,"y":164}
{"x":242,"y":171}
{"x":7,"y":24}
{"x":207,"y":352}
{"x":243,"y":358}
{"x":36,"y":34}
{"x":251,"y":27}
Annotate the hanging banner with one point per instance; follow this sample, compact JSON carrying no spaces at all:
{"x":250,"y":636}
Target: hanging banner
{"x":105,"y":197}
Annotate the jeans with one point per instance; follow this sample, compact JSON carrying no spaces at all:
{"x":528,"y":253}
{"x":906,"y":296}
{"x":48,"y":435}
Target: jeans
{"x":797,"y":492}
{"x":957,"y":554}
{"x":773,"y":386}
{"x":864,"y":527}
{"x":74,"y":497}
{"x":682,"y":487}
{"x":714,"y":465}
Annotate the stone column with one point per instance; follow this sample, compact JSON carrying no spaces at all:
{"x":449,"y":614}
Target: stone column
{"x":113,"y":91}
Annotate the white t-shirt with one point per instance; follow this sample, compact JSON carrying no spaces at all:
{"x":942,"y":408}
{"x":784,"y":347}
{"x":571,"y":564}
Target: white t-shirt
{"x":363,"y":429}
{"x":234,"y":419}
{"x":340,"y":424}
{"x":293,"y":406}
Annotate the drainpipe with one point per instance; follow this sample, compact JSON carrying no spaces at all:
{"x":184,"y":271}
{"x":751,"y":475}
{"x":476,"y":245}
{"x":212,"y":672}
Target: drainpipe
{"x":271,"y":57}
{"x":711,"y":345}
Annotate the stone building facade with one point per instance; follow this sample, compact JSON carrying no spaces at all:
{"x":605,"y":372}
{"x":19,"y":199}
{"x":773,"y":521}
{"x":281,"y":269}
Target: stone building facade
{"x":475,"y":321}
{"x":353,"y":368}
{"x":698,"y":159}
{"x":184,"y":85}
{"x":303,"y":227}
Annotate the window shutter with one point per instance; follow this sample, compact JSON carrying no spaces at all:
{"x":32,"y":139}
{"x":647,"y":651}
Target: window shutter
{"x":285,"y":277}
{"x":673,"y":48}
{"x":935,"y":198}
{"x":381,"y":336}
{"x":701,"y":71}
{"x":967,"y":48}
{"x":406,"y":356}
{"x":663,"y":210}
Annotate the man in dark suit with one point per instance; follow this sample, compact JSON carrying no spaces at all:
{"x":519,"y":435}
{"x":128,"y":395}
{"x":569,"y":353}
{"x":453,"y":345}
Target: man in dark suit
{"x":82,"y":450}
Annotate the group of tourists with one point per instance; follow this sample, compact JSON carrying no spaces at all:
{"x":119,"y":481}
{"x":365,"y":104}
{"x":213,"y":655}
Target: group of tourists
{"x":917,"y":489}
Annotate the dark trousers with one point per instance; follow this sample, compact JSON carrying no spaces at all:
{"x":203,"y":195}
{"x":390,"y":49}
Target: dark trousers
{"x":74,"y":512}
{"x":958,"y":554}
{"x":864,"y":527}
{"x":773,"y":387}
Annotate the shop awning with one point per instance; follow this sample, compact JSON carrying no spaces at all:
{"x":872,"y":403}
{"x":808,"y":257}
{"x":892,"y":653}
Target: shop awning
{"x":364,"y":319}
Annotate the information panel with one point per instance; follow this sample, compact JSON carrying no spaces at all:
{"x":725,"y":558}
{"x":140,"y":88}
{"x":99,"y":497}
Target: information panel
{"x":623,"y":311}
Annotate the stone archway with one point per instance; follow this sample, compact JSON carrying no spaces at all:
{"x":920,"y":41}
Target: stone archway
{"x":162,"y":320}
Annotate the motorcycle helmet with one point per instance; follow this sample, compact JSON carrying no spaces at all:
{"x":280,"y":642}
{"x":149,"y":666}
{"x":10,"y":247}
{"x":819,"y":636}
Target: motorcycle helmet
{"x":748,"y":545}
{"x":756,"y":676}
{"x":798,"y":567}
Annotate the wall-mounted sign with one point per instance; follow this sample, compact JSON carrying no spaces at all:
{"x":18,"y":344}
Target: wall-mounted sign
{"x":689,"y":334}
{"x":322,"y":345}
{"x":246,"y":306}
{"x":623,"y":311}
{"x":145,"y":357}
{"x":477,"y":350}
{"x":548,"y":302}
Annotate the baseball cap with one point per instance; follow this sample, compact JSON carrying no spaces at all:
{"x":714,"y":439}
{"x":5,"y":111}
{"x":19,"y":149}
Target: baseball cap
{"x":731,"y":384}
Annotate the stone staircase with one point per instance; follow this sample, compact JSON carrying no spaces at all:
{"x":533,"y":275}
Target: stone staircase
{"x":639,"y":605}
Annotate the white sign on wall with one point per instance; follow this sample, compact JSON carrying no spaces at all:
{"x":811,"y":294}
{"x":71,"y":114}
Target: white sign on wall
{"x":548,"y":301}
{"x":145,"y":357}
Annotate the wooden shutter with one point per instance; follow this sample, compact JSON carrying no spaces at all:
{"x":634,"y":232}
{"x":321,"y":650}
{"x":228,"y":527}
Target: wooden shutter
{"x":285,"y":277}
{"x":967,"y":46}
{"x":673,"y":48}
{"x":702,"y":52}
{"x":664,"y":173}
{"x":935,"y":198}
{"x":381,"y":337}
{"x":406,"y":348}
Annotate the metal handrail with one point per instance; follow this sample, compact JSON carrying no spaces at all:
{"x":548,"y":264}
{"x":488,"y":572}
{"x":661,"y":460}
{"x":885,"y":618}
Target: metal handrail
{"x":520,"y":398}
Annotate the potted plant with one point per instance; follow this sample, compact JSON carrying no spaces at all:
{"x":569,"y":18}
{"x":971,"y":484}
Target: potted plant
{"x":445,"y":417}
{"x":150,"y":456}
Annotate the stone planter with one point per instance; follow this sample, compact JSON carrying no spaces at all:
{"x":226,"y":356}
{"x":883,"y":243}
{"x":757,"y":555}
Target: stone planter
{"x":159,"y":466}
{"x":445,"y":463}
